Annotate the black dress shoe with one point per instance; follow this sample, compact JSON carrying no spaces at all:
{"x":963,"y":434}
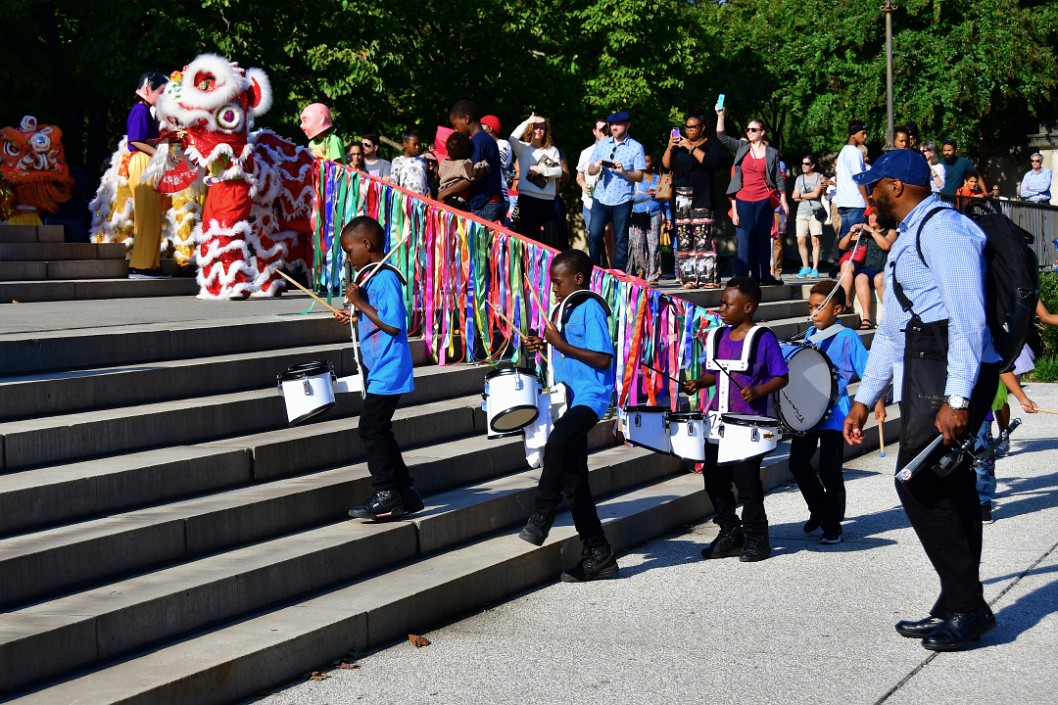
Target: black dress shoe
{"x":920,"y":629}
{"x":959,"y":629}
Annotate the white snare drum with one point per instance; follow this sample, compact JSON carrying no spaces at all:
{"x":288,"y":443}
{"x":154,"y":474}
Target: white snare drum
{"x":307,"y":390}
{"x":510,"y":400}
{"x":744,"y":436}
{"x":812,"y":391}
{"x":687,"y":434}
{"x":645,"y":426}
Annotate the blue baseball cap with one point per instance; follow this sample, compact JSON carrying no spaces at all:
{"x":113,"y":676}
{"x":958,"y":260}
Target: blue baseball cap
{"x":907,"y":165}
{"x":622,"y":116}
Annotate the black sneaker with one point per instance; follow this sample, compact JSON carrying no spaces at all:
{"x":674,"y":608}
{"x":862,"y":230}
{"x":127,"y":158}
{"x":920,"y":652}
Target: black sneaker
{"x":411,"y":500}
{"x":813,"y":523}
{"x":537,"y":528}
{"x":727,"y":544}
{"x":756,"y":548}
{"x":384,"y":504}
{"x":595,"y":563}
{"x":986,"y":513}
{"x":831,"y":537}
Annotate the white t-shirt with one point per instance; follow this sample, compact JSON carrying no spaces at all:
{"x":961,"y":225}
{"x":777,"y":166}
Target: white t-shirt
{"x":850,"y":163}
{"x":582,"y":166}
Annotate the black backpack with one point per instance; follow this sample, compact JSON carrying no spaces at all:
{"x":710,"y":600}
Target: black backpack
{"x":1012,"y":281}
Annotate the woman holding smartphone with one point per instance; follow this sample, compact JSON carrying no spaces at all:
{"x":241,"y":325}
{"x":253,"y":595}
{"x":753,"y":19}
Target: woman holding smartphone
{"x":756,"y":181}
{"x":539,"y":169}
{"x":693,"y":160}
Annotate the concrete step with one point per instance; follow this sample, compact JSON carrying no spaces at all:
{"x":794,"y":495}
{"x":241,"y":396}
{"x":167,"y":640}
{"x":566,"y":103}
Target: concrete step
{"x":139,"y":611}
{"x":37,"y":251}
{"x":86,"y":348}
{"x":31,"y":233}
{"x":87,"y":434}
{"x":64,"y":269}
{"x":794,"y":290}
{"x":44,"y":393}
{"x":77,"y":289}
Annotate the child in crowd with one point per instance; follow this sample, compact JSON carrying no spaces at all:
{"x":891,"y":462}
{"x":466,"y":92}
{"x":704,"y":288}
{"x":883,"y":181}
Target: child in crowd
{"x":583,"y":360}
{"x":381,"y":321}
{"x":409,"y":170}
{"x":984,"y":455}
{"x":971,"y":188}
{"x":747,"y":392}
{"x":458,"y":173}
{"x":323,"y":142}
{"x":825,"y":494}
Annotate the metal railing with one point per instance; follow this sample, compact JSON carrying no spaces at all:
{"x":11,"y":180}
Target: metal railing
{"x":1040,"y":219}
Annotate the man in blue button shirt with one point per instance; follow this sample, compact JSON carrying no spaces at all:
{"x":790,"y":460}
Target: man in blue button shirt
{"x":934,"y":328}
{"x":621,"y":162}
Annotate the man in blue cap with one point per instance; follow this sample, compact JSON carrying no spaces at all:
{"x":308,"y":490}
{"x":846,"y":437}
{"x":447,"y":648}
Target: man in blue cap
{"x":934,"y":328}
{"x":622,"y":162}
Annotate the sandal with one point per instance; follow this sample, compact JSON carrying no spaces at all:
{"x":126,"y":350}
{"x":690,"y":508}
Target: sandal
{"x":689,"y":285}
{"x":866,"y":324}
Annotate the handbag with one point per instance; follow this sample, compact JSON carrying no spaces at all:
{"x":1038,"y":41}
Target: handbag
{"x":663,"y":191}
{"x":857,"y":254}
{"x":820,"y":213}
{"x":773,"y":199}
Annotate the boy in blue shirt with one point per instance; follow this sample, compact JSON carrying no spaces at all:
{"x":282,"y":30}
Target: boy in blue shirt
{"x":583,"y":360}
{"x":381,"y":322}
{"x":825,"y":494}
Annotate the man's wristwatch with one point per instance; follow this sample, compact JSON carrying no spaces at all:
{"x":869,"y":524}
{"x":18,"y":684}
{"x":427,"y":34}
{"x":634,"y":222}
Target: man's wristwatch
{"x":957,"y":403}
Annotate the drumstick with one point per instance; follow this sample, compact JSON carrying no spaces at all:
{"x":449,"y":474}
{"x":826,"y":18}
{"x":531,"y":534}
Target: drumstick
{"x":496,"y":310}
{"x":1047,"y":411}
{"x":536,"y":299}
{"x":729,"y":377}
{"x":672,"y":379}
{"x":379,"y":265}
{"x":881,"y":439}
{"x":318,"y":299}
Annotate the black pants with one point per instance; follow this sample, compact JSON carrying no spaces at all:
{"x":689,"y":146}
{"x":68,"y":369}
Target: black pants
{"x":944,"y":511}
{"x":824,"y":493}
{"x":566,"y":470}
{"x":746,"y":477}
{"x":387,"y":468}
{"x":538,"y":219}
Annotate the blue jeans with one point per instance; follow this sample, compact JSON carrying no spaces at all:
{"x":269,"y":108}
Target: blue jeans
{"x":600,"y":216}
{"x":586,"y":213}
{"x":753,"y":237}
{"x":493,"y":211}
{"x":849,"y":217}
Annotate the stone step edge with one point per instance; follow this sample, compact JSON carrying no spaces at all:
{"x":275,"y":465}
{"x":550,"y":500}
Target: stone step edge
{"x":129,"y":620}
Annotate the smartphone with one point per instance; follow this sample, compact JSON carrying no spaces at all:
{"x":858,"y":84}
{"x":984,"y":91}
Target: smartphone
{"x":720,"y":101}
{"x":607,"y":163}
{"x":675,"y":134}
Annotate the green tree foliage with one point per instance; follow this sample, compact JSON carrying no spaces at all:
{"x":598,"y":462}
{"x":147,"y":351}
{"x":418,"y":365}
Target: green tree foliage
{"x":977,"y":70}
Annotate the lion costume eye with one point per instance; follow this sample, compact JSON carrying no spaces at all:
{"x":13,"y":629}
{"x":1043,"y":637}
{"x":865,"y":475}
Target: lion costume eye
{"x":11,"y":149}
{"x":40,"y":142}
{"x":230,"y":116}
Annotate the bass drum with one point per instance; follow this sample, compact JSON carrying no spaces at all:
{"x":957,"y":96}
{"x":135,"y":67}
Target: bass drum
{"x":812,"y":391}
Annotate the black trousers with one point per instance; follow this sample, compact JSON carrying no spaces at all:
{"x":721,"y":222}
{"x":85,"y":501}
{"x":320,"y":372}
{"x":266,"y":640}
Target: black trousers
{"x":538,"y":219}
{"x":824,"y":493}
{"x":719,"y":483}
{"x":944,"y":511}
{"x":566,"y":470}
{"x":384,"y":462}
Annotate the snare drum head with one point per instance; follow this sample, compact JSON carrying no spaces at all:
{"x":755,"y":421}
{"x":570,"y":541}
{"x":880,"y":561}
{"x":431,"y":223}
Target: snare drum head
{"x":812,"y":390}
{"x":306,"y":369}
{"x":645,"y":409}
{"x":749,"y":420}
{"x":678,"y":416}
{"x":510,"y":371}
{"x":510,"y":420}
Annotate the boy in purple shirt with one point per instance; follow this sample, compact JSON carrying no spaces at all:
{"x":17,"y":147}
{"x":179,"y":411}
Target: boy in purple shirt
{"x":747,"y":393}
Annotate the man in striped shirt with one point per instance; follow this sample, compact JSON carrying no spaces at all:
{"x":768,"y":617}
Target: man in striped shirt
{"x":934,"y":331}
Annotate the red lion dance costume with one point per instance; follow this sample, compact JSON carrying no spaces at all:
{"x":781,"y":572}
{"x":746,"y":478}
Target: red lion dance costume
{"x":255,"y":219}
{"x":33,"y":163}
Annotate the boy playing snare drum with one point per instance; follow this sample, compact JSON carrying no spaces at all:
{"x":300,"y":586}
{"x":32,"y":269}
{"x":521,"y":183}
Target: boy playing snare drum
{"x":583,"y":360}
{"x":747,"y":392}
{"x":383,"y":333}
{"x":825,"y":493}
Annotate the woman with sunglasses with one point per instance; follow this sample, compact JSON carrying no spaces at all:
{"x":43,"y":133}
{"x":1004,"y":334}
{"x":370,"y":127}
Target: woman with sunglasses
{"x":693,"y":160}
{"x":808,"y":192}
{"x":936,"y":166}
{"x":756,"y":181}
{"x":539,"y":169}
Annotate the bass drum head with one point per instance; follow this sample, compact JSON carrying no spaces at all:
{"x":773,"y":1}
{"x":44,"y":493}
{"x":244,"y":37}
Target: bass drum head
{"x":515,"y":418}
{"x":811,"y":392}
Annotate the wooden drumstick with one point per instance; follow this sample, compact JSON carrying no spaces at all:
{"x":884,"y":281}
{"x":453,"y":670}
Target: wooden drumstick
{"x":536,"y":299}
{"x":881,"y":439}
{"x":496,"y":310}
{"x":313,"y":295}
{"x":1046,"y":411}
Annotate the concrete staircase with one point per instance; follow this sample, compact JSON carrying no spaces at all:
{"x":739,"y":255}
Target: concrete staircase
{"x":166,"y":538}
{"x":36,"y":264}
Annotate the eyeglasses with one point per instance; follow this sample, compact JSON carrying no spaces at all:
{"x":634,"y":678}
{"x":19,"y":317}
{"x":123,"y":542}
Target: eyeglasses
{"x":366,"y":144}
{"x":754,"y":129}
{"x":1036,"y":161}
{"x":806,"y":163}
{"x":694,"y":127}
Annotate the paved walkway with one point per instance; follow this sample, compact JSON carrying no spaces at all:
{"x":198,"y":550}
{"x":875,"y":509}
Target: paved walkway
{"x":814,"y":624}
